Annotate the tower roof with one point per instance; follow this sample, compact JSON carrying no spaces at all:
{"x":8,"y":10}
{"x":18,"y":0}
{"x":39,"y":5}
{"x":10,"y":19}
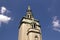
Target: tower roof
{"x":28,"y":18}
{"x":29,"y":13}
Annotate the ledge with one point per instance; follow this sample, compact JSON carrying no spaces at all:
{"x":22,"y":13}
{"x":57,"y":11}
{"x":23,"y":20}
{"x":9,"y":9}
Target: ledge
{"x":33,"y":31}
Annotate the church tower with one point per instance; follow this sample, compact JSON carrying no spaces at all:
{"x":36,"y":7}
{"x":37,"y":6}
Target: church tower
{"x":29,"y":28}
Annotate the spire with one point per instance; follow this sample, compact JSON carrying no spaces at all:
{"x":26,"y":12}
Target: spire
{"x":29,"y":13}
{"x":29,"y":7}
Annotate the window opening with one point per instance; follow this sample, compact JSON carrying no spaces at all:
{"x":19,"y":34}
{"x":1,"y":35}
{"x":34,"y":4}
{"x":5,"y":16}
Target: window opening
{"x":33,"y":25}
{"x":36,"y":38}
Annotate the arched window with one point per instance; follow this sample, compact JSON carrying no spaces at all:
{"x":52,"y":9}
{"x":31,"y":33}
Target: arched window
{"x":29,"y":16}
{"x":36,"y":37}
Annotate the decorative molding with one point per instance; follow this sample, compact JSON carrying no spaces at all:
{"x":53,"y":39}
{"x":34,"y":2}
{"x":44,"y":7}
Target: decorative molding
{"x":33,"y":32}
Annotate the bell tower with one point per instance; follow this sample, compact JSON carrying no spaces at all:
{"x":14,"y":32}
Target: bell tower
{"x":29,"y":28}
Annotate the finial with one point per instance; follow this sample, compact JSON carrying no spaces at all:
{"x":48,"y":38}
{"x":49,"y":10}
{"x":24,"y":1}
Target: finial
{"x":29,"y":7}
{"x":29,"y":13}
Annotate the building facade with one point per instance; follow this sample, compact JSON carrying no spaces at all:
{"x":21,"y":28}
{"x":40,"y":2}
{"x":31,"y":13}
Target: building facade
{"x":29,"y":28}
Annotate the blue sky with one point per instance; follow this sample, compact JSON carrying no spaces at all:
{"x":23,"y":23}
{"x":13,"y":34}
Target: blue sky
{"x":46,"y":11}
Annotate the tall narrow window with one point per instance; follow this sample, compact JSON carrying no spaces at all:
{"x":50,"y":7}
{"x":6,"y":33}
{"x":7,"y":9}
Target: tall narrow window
{"x":28,"y":16}
{"x":33,"y":25}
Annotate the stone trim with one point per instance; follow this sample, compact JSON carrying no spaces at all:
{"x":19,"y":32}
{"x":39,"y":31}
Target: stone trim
{"x":33,"y":32}
{"x":30,"y":19}
{"x":33,"y":28}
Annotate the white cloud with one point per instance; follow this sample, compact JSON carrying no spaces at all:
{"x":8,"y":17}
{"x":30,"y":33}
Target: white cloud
{"x":56,"y":23}
{"x":3,"y":9}
{"x":56,"y":29}
{"x":4,"y":18}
